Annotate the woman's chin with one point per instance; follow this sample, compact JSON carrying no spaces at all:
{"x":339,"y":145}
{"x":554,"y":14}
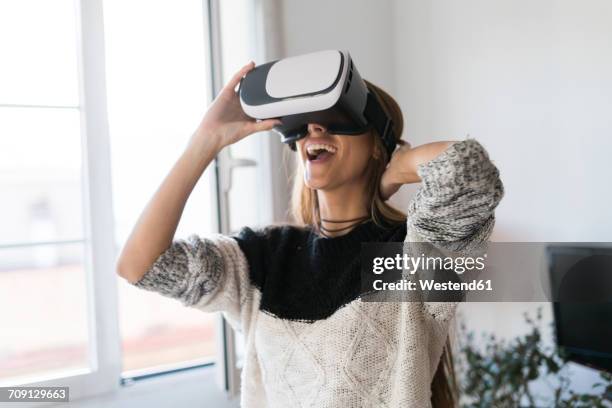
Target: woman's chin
{"x":317,"y":182}
{"x":316,"y":178}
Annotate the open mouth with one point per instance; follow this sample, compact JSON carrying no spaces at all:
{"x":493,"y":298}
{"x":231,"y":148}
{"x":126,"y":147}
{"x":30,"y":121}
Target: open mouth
{"x":317,"y":152}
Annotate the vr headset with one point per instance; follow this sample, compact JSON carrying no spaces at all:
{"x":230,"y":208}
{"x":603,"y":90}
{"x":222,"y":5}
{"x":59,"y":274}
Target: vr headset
{"x":322,"y":87}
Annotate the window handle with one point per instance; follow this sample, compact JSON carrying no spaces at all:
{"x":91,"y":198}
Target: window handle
{"x":226,"y":164}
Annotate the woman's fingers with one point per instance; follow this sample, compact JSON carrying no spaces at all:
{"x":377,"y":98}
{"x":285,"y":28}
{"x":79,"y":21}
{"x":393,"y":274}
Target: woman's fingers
{"x":235,"y":80}
{"x":263,"y":125}
{"x":403,"y":144}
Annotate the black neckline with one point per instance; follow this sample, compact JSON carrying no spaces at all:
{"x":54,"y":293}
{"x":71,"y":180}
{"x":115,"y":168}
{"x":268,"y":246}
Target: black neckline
{"x":365,"y":232}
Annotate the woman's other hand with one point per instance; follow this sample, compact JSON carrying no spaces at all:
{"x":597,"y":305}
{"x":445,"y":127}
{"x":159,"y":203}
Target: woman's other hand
{"x":225,"y":122}
{"x":398,"y":171}
{"x":403,"y":166}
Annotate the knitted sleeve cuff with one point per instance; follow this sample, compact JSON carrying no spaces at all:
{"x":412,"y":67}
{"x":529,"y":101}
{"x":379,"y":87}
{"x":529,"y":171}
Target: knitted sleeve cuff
{"x":187,"y":271}
{"x":455,"y":205}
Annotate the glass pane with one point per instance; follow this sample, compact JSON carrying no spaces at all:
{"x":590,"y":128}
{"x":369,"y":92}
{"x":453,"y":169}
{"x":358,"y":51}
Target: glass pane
{"x":40,"y":170}
{"x":38,"y":49}
{"x":158,"y":331}
{"x":44,"y":331}
{"x":157,"y":93}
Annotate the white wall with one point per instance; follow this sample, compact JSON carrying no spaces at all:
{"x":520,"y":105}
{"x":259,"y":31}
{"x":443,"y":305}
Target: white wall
{"x":363,"y":27}
{"x":532,"y":81}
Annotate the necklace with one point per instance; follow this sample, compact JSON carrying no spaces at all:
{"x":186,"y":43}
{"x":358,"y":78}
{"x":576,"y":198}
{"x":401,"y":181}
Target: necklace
{"x":342,"y":221}
{"x":355,"y":221}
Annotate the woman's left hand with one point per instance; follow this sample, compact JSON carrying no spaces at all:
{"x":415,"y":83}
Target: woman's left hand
{"x":404,"y":163}
{"x":400,"y":170}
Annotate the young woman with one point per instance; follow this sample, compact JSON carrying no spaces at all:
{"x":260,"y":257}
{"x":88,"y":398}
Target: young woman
{"x":293,"y":290}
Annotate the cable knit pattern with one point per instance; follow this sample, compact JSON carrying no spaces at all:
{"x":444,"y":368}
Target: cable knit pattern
{"x":347,"y":354}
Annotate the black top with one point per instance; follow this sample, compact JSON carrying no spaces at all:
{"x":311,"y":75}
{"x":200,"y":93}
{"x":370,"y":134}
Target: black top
{"x":306,"y":277}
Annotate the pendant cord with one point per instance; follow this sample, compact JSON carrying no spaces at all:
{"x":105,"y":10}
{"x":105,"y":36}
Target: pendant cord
{"x":341,"y":221}
{"x":324,"y":231}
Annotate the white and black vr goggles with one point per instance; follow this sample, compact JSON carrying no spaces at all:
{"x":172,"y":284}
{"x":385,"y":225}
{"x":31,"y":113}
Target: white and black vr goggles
{"x":322,"y":87}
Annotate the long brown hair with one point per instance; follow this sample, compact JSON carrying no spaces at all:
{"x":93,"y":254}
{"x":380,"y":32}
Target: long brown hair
{"x":305,"y":211}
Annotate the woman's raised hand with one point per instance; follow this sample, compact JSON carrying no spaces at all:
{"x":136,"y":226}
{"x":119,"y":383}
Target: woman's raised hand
{"x":396,"y":173}
{"x":405,"y":161}
{"x":225,"y":122}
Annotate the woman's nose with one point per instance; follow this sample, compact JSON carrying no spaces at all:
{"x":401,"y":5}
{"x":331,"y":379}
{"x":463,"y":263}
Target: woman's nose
{"x":316,"y":128}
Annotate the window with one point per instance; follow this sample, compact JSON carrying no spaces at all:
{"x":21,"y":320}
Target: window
{"x":158,"y":89}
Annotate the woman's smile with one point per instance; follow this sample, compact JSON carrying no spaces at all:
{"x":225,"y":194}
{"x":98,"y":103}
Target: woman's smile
{"x":317,"y":152}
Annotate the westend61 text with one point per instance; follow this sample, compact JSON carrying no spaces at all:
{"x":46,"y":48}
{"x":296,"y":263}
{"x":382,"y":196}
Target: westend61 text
{"x":430,"y":284}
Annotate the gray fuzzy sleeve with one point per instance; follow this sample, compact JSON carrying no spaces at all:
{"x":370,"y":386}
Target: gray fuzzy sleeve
{"x":454,"y":208}
{"x":207,"y":273}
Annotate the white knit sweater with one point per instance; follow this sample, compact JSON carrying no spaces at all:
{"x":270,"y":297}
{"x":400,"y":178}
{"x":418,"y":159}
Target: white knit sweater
{"x":356,"y":353}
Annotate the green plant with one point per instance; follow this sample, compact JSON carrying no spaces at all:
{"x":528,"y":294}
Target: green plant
{"x":499,"y":373}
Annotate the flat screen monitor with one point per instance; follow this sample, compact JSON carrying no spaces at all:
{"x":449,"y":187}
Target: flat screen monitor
{"x":582,"y":279}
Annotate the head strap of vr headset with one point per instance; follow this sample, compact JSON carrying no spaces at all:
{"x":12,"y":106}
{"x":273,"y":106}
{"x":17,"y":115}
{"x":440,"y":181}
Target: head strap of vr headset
{"x":379,"y":120}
